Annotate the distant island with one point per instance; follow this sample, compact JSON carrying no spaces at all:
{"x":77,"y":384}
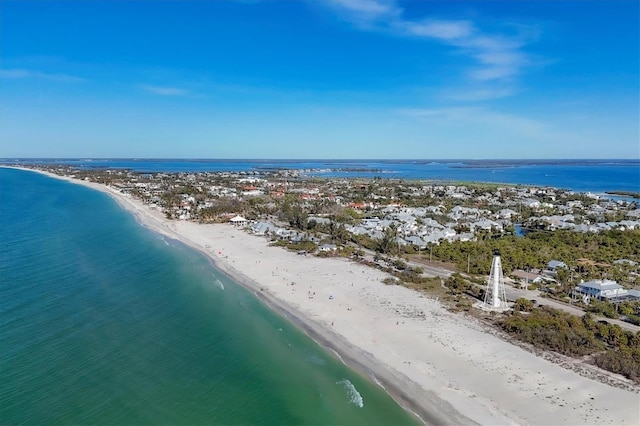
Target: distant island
{"x":624,"y":193}
{"x":480,"y":164}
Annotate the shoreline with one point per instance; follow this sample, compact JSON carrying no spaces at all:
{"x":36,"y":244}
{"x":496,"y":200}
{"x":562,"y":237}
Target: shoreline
{"x":454,"y":365}
{"x":342,"y":349}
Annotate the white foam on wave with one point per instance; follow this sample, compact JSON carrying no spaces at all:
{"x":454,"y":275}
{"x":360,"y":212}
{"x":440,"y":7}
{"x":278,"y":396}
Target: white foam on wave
{"x":219,"y":284}
{"x":353,"y":394}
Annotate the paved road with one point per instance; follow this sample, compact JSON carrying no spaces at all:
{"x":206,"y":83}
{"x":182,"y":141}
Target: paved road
{"x":429,"y":271}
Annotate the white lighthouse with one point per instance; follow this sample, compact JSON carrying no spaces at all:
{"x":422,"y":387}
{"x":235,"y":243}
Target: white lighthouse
{"x":495,"y":298}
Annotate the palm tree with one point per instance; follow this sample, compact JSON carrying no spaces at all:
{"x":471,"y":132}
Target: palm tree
{"x":388,"y":243}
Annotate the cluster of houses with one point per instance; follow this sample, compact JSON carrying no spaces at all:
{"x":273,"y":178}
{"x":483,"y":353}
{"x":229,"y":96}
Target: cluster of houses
{"x":422,"y":214}
{"x":412,"y":224}
{"x":579,"y":224}
{"x":415,"y":226}
{"x":460,"y":212}
{"x":269,"y":229}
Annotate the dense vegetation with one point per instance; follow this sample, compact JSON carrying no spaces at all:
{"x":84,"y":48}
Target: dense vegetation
{"x":554,"y":330}
{"x":536,"y":249}
{"x":611,"y":347}
{"x":628,"y":309}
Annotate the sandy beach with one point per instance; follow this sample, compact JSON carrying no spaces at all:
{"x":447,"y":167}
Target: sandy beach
{"x":444,"y":367}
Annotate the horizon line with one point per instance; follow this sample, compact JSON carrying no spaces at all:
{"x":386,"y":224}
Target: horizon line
{"x":83,"y":158}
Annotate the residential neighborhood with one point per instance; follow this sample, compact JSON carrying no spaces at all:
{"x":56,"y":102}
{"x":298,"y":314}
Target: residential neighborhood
{"x":392,"y":216}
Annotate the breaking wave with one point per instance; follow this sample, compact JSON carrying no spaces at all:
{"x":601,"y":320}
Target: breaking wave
{"x":353,"y":394}
{"x":219,"y":284}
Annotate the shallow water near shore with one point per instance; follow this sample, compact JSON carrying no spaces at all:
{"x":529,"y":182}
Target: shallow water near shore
{"x":103,"y":321}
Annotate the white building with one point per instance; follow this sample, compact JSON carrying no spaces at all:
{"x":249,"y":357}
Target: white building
{"x":238,"y":221}
{"x":601,"y":290}
{"x":328,"y":248}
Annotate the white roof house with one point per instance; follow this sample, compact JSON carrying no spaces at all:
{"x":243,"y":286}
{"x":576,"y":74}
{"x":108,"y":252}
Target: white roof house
{"x":506,"y":214}
{"x":416,"y":241}
{"x":527,"y":277}
{"x":601,"y":289}
{"x":261,"y":228}
{"x":238,"y":221}
{"x":555,"y":264}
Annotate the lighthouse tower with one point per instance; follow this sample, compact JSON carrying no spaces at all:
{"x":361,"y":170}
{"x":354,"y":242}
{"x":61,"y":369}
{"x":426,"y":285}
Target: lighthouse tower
{"x":495,"y":298}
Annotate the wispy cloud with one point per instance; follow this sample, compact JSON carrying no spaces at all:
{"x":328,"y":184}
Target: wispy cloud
{"x":448,"y":113}
{"x":443,"y":30}
{"x":481,"y":117}
{"x":366,"y":13}
{"x":498,"y":57}
{"x":164,"y":90}
{"x":477,"y":94}
{"x":19,"y":73}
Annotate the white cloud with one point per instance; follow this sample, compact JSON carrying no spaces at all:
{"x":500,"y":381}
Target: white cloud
{"x":480,"y":117}
{"x":164,"y":90}
{"x":439,"y":29}
{"x":366,"y":12}
{"x":18,"y":73}
{"x":498,"y":57}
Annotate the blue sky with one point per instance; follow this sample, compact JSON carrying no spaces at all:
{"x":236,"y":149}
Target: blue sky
{"x":320,"y":79}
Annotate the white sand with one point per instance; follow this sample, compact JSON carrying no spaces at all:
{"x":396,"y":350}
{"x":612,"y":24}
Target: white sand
{"x":443,"y":366}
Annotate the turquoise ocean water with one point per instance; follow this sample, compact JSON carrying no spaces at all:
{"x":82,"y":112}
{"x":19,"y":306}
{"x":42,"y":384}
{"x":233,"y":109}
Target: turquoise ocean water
{"x":104,"y":322}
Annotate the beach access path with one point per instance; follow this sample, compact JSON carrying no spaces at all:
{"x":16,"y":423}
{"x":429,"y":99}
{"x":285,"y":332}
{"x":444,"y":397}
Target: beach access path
{"x":445,"y":367}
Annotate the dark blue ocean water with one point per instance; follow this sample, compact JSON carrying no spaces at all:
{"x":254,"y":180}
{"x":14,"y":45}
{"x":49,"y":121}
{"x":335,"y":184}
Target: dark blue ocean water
{"x":105,"y":322}
{"x":578,"y":175}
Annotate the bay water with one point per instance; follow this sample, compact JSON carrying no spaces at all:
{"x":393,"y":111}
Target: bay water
{"x":105,"y":322}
